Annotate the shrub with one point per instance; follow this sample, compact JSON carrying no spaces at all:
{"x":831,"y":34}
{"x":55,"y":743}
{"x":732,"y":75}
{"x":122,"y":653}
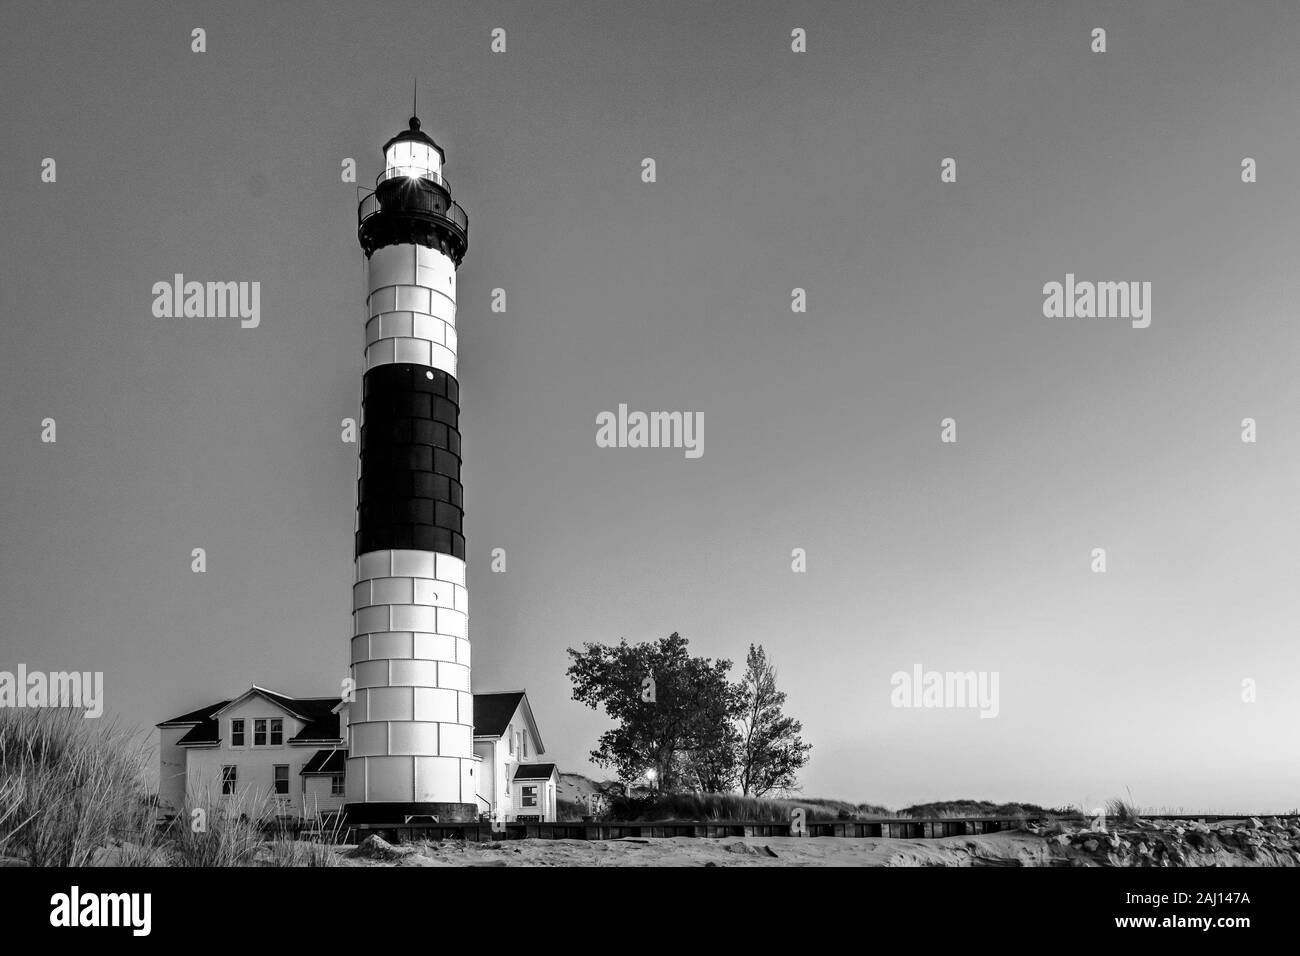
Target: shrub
{"x":729,"y":806}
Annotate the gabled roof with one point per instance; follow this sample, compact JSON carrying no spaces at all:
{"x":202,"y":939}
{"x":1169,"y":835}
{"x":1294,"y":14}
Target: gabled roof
{"x":290,"y":705}
{"x":328,"y":762}
{"x":322,"y":720}
{"x":319,"y":716}
{"x":492,"y":713}
{"x":534,"y":771}
{"x":194,"y":716}
{"x":201,"y":734}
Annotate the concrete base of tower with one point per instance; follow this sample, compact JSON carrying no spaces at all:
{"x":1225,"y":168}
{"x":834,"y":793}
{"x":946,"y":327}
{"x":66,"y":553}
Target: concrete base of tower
{"x":394,"y":813}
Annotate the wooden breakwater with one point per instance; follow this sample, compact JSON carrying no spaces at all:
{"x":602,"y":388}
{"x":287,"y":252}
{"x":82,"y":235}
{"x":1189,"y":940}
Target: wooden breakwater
{"x":891,"y":828}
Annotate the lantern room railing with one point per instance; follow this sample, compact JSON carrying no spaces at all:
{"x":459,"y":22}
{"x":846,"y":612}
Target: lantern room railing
{"x":419,"y":202}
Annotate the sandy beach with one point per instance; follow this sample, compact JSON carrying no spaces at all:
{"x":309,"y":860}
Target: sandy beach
{"x":1156,"y":843}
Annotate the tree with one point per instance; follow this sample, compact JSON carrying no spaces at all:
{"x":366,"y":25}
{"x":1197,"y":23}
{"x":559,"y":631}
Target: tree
{"x":672,"y":710}
{"x":771,"y":751}
{"x":712,"y":762}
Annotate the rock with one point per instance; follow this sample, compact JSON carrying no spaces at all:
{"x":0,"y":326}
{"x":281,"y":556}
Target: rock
{"x":1091,"y":845}
{"x":748,"y":850}
{"x":375,"y":847}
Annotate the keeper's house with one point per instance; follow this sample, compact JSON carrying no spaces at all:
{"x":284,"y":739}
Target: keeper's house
{"x":264,"y":750}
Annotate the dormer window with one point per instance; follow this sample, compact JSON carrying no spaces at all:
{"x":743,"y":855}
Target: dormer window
{"x":277,"y":731}
{"x":259,"y":732}
{"x":237,"y":733}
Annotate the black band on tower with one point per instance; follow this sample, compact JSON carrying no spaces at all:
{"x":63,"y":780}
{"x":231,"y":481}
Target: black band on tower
{"x":409,"y":494}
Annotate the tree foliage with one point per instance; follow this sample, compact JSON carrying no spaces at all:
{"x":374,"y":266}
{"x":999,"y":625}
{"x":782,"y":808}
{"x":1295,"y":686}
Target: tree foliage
{"x":771,"y":751}
{"x":680,"y":720}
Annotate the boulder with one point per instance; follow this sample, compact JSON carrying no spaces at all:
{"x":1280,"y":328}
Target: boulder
{"x":749,"y":850}
{"x":375,"y":847}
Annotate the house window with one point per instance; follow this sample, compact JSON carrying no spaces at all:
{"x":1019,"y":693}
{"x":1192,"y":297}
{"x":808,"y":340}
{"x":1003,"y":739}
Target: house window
{"x":229,"y":780}
{"x":511,"y":738}
{"x":237,"y":733}
{"x":336,"y":785}
{"x":277,"y":731}
{"x":530,"y":796}
{"x":259,"y":732}
{"x":282,"y":779}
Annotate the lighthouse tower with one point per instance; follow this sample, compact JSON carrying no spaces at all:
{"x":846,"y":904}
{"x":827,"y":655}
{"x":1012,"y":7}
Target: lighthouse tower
{"x":411,"y":725}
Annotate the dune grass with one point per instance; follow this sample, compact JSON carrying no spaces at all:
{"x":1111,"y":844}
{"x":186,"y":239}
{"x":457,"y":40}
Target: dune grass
{"x":74,"y":792}
{"x":728,"y":806}
{"x":68,"y":785}
{"x":1125,"y":811}
{"x":644,"y":806}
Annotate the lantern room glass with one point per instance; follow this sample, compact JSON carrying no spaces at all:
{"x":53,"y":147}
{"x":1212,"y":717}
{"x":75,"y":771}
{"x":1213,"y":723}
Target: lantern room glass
{"x":412,"y":159}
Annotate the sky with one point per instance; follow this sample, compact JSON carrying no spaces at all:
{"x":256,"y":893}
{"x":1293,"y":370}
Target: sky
{"x":775,"y":170}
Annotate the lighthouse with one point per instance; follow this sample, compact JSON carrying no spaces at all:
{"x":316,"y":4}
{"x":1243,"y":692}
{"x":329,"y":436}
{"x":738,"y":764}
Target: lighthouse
{"x":411,"y":721}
